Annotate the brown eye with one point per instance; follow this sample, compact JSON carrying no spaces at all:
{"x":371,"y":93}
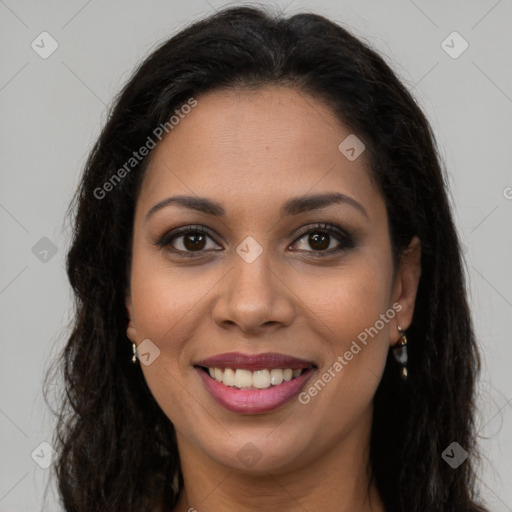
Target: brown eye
{"x":187,"y":240}
{"x":320,"y":239}
{"x":190,"y":241}
{"x":194,"y":242}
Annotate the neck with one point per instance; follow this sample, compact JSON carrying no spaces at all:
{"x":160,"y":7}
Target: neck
{"x":335,"y":481}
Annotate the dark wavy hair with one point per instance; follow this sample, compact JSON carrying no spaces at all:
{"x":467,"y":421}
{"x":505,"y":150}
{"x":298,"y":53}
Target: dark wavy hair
{"x":116,"y":448}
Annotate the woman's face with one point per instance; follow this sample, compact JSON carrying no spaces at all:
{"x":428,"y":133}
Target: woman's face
{"x":265,"y":287}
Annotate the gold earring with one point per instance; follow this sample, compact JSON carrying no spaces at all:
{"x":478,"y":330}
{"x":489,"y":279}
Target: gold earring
{"x":134,"y":349}
{"x":400,"y":353}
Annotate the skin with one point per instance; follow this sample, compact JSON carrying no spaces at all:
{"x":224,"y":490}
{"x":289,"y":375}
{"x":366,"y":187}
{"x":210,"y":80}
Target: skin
{"x":251,"y":151}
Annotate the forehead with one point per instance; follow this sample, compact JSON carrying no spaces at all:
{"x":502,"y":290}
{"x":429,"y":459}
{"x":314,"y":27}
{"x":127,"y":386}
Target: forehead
{"x":245,"y":147}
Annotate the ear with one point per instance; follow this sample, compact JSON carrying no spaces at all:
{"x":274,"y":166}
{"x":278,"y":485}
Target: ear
{"x":406,"y":287}
{"x":131,"y":332}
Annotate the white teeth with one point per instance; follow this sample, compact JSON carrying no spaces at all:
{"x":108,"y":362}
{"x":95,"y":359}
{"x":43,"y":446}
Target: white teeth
{"x":276,"y":377}
{"x":260,"y":379}
{"x":243,"y":378}
{"x":219,"y":374}
{"x":229,"y":377}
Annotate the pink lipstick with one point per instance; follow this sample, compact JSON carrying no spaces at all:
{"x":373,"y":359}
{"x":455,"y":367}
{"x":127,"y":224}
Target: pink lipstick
{"x":254,"y":383}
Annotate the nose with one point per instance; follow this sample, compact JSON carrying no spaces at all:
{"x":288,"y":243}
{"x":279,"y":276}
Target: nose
{"x":253,"y":298}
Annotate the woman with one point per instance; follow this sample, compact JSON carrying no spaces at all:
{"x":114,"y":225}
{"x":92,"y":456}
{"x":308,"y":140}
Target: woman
{"x":270,"y":300}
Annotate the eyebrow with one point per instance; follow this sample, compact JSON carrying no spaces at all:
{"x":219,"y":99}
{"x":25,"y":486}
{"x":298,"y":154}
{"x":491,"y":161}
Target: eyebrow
{"x":293,"y":206}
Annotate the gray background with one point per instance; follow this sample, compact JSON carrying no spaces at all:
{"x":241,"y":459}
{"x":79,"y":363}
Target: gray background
{"x":52,"y":110}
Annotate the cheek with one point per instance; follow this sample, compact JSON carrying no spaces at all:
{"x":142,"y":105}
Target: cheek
{"x":164,"y":301}
{"x":352,"y":300}
{"x":163,"y":297}
{"x":353,"y":314}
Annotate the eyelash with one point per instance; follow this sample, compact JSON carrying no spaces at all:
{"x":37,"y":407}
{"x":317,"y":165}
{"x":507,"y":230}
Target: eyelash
{"x":343,"y":237}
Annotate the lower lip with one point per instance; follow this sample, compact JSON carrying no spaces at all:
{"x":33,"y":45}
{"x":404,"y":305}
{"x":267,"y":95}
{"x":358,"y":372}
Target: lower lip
{"x":254,"y":401}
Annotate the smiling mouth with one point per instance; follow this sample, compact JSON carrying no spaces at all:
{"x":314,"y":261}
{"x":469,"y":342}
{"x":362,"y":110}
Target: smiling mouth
{"x":238,"y":378}
{"x":246,"y":383}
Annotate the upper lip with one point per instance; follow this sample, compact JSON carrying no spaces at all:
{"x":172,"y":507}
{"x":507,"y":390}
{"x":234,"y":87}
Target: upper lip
{"x":253,"y":362}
